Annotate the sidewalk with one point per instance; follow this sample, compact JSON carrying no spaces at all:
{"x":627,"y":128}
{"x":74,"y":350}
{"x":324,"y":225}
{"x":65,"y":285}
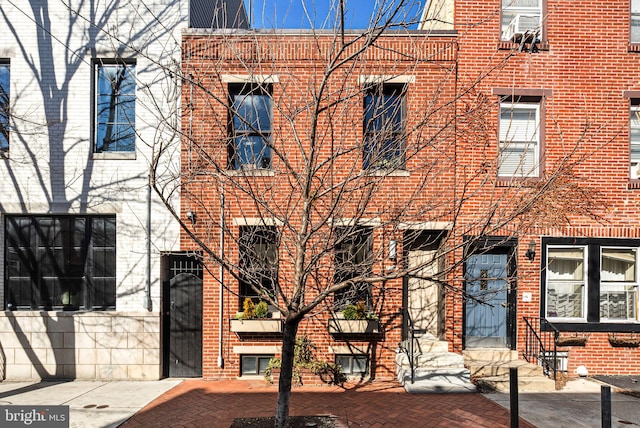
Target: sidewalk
{"x":92,"y":404}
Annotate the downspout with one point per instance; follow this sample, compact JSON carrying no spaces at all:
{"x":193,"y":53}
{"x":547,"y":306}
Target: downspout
{"x":221,"y":277}
{"x":148,"y":304}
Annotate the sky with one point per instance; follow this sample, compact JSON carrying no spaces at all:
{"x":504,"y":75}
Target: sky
{"x":321,"y":14}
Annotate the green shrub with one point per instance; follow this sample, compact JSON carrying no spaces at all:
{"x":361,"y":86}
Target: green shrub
{"x":261,"y":310}
{"x":349,"y":312}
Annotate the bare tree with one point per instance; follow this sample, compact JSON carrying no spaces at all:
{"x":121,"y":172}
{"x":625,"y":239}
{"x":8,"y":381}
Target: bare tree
{"x":310,"y":159}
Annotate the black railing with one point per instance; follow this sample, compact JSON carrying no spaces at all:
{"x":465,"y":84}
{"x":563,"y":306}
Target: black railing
{"x":541,"y":345}
{"x":408,"y":346}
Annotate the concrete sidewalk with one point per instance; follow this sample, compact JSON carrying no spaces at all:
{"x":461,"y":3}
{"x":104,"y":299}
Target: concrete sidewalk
{"x":91,"y":403}
{"x":578,"y":405}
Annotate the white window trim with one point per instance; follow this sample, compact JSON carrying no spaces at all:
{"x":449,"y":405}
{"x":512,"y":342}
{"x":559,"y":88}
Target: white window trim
{"x":621,"y":284}
{"x":503,"y":144}
{"x":634,"y":109}
{"x":524,"y":10}
{"x":585,"y":285}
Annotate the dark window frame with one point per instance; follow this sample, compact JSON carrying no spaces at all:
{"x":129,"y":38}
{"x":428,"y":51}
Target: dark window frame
{"x":384,"y":123}
{"x":254,"y":264}
{"x":348,"y":371}
{"x":353,"y":257}
{"x":258,"y":358}
{"x":5,"y":105}
{"x":592,"y":320}
{"x":56,"y":265}
{"x":247,"y":131}
{"x":126,"y":126}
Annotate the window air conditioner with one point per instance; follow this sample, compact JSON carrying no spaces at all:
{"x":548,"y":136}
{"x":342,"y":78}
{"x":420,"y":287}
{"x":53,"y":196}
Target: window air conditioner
{"x":523,"y":26}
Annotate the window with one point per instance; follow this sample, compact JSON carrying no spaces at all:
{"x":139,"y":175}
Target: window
{"x":635,"y":21}
{"x":591,"y":281}
{"x":519,"y":152}
{"x":250,"y":126}
{"x":619,"y":284}
{"x":566,"y":282}
{"x":353,"y":364}
{"x":4,"y":106}
{"x":258,"y":262}
{"x":353,"y":258}
{"x":384,"y":126}
{"x":60,"y":262}
{"x":520,"y":17}
{"x":634,"y":137}
{"x":115,"y":110}
{"x":254,"y":364}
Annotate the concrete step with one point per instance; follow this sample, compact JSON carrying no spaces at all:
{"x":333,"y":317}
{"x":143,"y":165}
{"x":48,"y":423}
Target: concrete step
{"x":489,"y":354}
{"x":437,"y":381}
{"x":480,"y":368}
{"x":428,"y":345}
{"x":525,"y":384}
{"x":433,"y":360}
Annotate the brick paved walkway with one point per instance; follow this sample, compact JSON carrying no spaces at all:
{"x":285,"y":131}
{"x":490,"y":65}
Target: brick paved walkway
{"x":197,"y":403}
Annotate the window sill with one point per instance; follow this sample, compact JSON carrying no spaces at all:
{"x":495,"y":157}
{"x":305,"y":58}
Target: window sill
{"x":633,"y":184}
{"x":516,"y":181}
{"x":386,"y":172}
{"x":506,"y":45}
{"x":634,"y":47}
{"x":251,"y":172}
{"x":115,"y":155}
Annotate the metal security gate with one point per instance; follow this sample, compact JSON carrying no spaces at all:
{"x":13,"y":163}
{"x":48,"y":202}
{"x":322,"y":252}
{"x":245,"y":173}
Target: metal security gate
{"x":182,"y":316}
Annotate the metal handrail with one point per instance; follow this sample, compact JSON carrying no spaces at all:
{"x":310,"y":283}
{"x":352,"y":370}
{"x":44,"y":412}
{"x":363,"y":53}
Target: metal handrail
{"x":409,"y":348}
{"x":541,"y":344}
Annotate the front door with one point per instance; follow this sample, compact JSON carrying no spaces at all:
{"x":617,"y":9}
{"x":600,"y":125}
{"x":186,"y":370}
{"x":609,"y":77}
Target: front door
{"x":486,"y":300}
{"x":425,"y":300}
{"x":182,"y":316}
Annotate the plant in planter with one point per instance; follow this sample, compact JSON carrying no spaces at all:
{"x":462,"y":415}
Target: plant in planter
{"x":358,"y":312}
{"x":304,"y":359}
{"x":261,"y":310}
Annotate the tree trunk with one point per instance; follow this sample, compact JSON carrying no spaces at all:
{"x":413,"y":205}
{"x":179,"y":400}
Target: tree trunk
{"x":286,"y":372}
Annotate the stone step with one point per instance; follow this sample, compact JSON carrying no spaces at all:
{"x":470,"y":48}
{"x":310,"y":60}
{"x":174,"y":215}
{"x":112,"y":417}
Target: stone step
{"x":427,"y":346}
{"x":437,"y":381}
{"x":525,"y":384}
{"x":501,"y":368}
{"x":433,"y":360}
{"x":489,"y":354}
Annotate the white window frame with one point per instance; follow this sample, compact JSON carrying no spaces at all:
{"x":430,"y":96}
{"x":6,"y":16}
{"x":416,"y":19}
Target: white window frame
{"x":634,"y":15}
{"x":634,"y":162}
{"x":522,"y":10}
{"x":585,"y":285}
{"x":620,"y":286}
{"x":506,"y":144}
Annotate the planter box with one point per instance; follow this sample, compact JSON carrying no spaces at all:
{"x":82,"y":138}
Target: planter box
{"x":263,"y":325}
{"x":338,"y":326}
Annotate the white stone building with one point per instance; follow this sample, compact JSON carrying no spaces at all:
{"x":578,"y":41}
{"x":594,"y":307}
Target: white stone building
{"x":88,"y":92}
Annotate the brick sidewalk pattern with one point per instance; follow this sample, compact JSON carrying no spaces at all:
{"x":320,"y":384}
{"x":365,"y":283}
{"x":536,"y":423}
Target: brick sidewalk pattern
{"x":197,"y":403}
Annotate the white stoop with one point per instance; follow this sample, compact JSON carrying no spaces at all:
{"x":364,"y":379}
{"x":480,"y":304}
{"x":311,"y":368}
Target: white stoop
{"x":489,"y":369}
{"x":436,"y":369}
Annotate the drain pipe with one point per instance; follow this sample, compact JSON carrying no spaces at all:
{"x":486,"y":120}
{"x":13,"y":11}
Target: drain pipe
{"x":221,"y":280}
{"x":148,"y":304}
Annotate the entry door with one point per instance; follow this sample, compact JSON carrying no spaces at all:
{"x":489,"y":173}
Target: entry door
{"x":424,"y":301}
{"x":486,"y":302}
{"x":182,"y":308}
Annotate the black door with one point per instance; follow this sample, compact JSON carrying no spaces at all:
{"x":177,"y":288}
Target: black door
{"x":182,"y":316}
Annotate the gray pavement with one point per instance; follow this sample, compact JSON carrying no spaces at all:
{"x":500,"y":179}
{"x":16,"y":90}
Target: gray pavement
{"x":578,"y":405}
{"x":91,"y":403}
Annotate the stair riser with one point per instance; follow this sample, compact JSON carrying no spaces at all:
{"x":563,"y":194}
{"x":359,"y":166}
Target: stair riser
{"x":432,"y":360}
{"x":487,"y":370}
{"x":485,"y":354}
{"x":535,"y":384}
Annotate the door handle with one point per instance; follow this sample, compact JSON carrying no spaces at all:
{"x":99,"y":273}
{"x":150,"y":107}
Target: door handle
{"x":173,"y":306}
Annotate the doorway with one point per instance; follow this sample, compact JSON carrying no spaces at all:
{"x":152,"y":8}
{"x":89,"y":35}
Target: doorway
{"x":489,"y":306}
{"x":181,"y":315}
